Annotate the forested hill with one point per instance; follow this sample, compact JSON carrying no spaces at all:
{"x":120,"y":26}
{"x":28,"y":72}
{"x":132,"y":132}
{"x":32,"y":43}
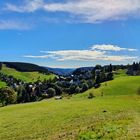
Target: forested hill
{"x":25,"y":67}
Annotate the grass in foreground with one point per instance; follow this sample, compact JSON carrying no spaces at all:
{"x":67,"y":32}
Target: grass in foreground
{"x":26,"y":76}
{"x":113,"y":116}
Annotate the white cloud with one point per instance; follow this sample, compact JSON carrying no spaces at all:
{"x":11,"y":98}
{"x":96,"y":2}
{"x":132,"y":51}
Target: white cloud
{"x":120,"y":58}
{"x":28,"y":6}
{"x":90,"y":11}
{"x":9,"y":25}
{"x":32,"y":56}
{"x":84,"y":55}
{"x":110,"y":48}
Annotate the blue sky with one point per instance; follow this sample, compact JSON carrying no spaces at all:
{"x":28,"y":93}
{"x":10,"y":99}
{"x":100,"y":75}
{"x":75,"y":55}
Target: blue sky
{"x":70,"y":33}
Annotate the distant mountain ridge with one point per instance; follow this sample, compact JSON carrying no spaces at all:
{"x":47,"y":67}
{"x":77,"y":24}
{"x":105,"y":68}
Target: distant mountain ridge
{"x":61,"y":71}
{"x":29,"y":67}
{"x":69,"y":71}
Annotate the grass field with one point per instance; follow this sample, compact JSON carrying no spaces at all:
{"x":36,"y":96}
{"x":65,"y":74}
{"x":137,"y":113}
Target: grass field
{"x":113,"y":116}
{"x":120,"y":73}
{"x":2,"y":84}
{"x":26,"y":76}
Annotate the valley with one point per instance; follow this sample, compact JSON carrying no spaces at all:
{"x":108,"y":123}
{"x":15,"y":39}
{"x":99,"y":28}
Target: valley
{"x":113,"y":113}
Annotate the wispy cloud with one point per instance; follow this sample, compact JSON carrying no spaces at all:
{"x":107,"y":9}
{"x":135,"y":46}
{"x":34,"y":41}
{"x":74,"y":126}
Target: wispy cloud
{"x":110,"y":48}
{"x":86,"y":55}
{"x":11,"y":25}
{"x":40,"y":56}
{"x":89,"y":11}
{"x":27,"y":6}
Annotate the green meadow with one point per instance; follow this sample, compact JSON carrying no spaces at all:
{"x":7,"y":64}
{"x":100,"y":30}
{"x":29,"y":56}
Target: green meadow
{"x":114,"y":114}
{"x":26,"y":76}
{"x":2,"y":84}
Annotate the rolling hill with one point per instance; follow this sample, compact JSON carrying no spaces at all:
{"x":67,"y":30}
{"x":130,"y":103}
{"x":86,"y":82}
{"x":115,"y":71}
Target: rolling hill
{"x":26,"y":76}
{"x":115,"y":115}
{"x":25,"y":67}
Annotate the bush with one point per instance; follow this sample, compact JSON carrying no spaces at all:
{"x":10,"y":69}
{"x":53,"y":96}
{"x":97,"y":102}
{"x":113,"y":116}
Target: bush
{"x":85,"y":87}
{"x":97,"y":85}
{"x":58,"y":90}
{"x":44,"y":96}
{"x":78,"y":89}
{"x":7,"y":96}
{"x":72,"y":89}
{"x":90,"y":95}
{"x":51,"y":92}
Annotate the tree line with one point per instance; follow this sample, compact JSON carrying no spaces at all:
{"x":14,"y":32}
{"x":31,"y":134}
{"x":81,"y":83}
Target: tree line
{"x":134,"y":69}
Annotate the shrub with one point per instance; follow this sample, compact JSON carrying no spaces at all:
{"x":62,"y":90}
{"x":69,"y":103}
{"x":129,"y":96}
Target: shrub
{"x":85,"y":87}
{"x":71,"y":89}
{"x":77,"y":90}
{"x":51,"y":92}
{"x":97,"y":85}
{"x":90,"y":95}
{"x":44,"y":96}
{"x":7,"y":96}
{"x":58,"y":90}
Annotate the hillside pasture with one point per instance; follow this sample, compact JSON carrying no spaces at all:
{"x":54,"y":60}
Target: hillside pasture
{"x":112,"y":116}
{"x":26,"y":76}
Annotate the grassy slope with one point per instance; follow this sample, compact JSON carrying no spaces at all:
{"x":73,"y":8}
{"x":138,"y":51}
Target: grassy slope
{"x":115,"y":115}
{"x":26,"y":76}
{"x":120,"y":73}
{"x":127,"y":85}
{"x":2,"y":84}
